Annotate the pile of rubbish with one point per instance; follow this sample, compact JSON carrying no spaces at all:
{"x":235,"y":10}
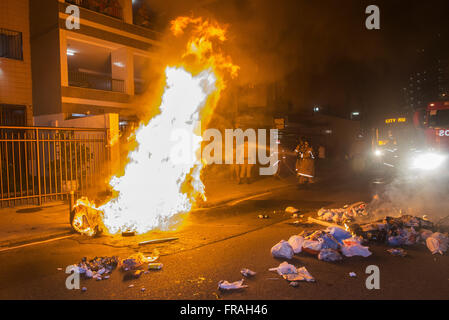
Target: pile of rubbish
{"x":328,"y":245}
{"x":347,"y":213}
{"x":399,"y":231}
{"x":405,"y":230}
{"x":101,"y":268}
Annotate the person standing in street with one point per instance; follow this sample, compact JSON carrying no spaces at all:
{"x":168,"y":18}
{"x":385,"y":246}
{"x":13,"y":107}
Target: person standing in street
{"x":306,"y":165}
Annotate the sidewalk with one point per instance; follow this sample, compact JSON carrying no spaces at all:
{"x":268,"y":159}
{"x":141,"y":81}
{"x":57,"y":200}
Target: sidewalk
{"x":26,"y":224}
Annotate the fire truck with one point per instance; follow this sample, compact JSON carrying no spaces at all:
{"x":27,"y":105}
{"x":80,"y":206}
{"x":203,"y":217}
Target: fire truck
{"x":417,"y":146}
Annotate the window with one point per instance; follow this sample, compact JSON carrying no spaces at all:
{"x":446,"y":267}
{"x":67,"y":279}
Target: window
{"x":439,"y":119}
{"x":11,"y":44}
{"x":12,"y":115}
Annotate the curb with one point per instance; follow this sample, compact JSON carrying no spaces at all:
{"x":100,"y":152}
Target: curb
{"x":37,"y":238}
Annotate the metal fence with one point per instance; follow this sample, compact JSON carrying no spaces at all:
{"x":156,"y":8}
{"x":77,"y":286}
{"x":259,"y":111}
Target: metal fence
{"x":92,"y":81}
{"x":107,"y":7}
{"x":45,"y":164}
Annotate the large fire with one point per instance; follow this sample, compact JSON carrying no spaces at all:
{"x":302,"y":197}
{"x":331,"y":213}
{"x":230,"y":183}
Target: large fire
{"x":153,"y":188}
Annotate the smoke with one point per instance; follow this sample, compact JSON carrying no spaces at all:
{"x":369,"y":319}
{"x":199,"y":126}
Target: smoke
{"x":413,"y":196}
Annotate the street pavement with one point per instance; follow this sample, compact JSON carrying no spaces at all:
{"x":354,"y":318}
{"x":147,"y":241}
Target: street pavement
{"x":215,"y":244}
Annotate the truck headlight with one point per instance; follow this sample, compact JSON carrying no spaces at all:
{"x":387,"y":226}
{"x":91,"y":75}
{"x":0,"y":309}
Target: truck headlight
{"x":378,"y":153}
{"x":428,"y":161}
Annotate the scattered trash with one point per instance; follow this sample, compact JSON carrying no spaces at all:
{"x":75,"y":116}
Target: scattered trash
{"x":143,"y":289}
{"x":294,"y":284}
{"x":131,"y":286}
{"x":225,"y":285}
{"x":351,"y":247}
{"x":291,"y":210}
{"x":248,"y":273}
{"x":296,"y":243}
{"x":397,"y":252}
{"x":134,"y":261}
{"x":290,"y":273}
{"x":155,"y":266}
{"x":312,"y":246}
{"x":295,"y":216}
{"x":83,"y":289}
{"x":329,"y":255}
{"x":263,"y":216}
{"x":96,"y":267}
{"x":285,"y":268}
{"x":133,"y":275}
{"x":128,"y":234}
{"x":339,"y":234}
{"x":437,"y":243}
{"x":59,"y":269}
{"x":282,"y":250}
{"x":352,"y":274}
{"x":301,"y":275}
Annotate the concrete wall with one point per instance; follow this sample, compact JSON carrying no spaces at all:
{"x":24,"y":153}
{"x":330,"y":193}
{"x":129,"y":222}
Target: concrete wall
{"x":45,"y":54}
{"x":15,"y":75}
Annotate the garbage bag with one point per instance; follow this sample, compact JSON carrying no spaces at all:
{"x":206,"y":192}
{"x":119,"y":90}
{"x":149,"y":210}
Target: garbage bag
{"x":282,"y":250}
{"x":329,"y":255}
{"x":339,"y":234}
{"x":354,"y":248}
{"x":312,"y":246}
{"x":437,"y":243}
{"x":296,"y":243}
{"x":247,"y":273}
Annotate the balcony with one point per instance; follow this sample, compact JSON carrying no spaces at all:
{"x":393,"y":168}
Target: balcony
{"x":94,"y":81}
{"x":110,"y":8}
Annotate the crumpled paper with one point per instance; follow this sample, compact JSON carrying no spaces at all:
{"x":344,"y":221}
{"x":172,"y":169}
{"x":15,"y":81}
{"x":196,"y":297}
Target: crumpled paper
{"x":248,"y":273}
{"x":290,"y":273}
{"x":226,"y":285}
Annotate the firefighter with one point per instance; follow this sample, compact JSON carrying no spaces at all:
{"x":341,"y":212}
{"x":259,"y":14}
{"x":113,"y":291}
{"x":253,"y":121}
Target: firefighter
{"x":299,"y":153}
{"x":306,"y":165}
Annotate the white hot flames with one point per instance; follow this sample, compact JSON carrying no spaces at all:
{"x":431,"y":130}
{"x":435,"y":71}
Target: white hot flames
{"x":149,"y":192}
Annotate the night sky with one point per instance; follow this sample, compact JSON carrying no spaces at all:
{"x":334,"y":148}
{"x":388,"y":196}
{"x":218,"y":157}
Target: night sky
{"x":322,"y":48}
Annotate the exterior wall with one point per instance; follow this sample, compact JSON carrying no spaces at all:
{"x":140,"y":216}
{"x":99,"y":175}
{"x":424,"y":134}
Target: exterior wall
{"x":45,"y":53}
{"x":15,"y":75}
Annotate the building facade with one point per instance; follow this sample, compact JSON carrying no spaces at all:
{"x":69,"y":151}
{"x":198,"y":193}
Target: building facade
{"x":15,"y":64}
{"x":98,"y":68}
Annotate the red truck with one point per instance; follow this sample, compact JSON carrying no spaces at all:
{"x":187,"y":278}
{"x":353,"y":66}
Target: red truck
{"x":433,"y":125}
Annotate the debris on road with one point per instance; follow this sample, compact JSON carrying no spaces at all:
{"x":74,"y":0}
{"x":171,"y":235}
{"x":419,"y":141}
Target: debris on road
{"x":329,"y":255}
{"x":296,"y":243}
{"x":282,"y":250}
{"x":226,"y":286}
{"x":291,"y":210}
{"x":397,"y":252}
{"x":352,"y":247}
{"x":97,"y":267}
{"x":339,"y":216}
{"x":155,"y":266}
{"x":437,"y":243}
{"x":154,"y":241}
{"x":248,"y":273}
{"x":263,"y":216}
{"x":290,"y":273}
{"x":352,"y":274}
{"x":84,"y":289}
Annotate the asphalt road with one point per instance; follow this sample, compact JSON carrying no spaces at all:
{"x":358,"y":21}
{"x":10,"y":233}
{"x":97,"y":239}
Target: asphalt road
{"x":216,"y":244}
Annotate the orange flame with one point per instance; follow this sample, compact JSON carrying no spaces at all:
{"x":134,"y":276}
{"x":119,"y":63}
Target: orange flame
{"x":152,"y":189}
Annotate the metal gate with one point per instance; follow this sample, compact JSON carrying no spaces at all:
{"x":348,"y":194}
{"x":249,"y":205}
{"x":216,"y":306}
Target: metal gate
{"x":42,"y":164}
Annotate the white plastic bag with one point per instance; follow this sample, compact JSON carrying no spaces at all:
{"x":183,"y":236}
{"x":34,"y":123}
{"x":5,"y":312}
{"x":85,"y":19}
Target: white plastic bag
{"x":296,"y":243}
{"x":225,"y":285}
{"x":351,"y":249}
{"x":285,"y":268}
{"x":282,"y":250}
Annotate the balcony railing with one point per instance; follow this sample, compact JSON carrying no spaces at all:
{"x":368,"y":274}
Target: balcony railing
{"x":93,"y":81}
{"x":110,"y":8}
